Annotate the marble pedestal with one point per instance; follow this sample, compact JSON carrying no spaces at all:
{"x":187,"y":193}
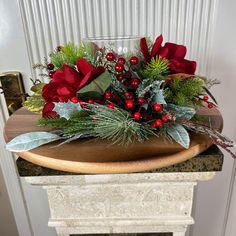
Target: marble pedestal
{"x":151,"y":202}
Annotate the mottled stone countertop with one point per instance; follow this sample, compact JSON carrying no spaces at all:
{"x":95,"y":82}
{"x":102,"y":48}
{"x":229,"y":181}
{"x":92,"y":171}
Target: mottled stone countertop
{"x":210,"y":160}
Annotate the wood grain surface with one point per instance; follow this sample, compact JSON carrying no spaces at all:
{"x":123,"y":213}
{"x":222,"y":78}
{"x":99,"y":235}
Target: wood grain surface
{"x":99,"y":156}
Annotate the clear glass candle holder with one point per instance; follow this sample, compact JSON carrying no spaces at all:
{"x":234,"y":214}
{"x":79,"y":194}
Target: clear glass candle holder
{"x":121,"y":45}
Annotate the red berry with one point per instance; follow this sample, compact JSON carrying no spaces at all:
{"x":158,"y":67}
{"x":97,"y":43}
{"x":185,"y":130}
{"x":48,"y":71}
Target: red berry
{"x":50,"y":66}
{"x":153,"y":124}
{"x":210,"y":105}
{"x":137,"y":115}
{"x":158,"y":123}
{"x":129,"y":95}
{"x":74,"y":100}
{"x":126,"y":94}
{"x":111,"y":105}
{"x":50,"y":73}
{"x":81,"y":103}
{"x":164,"y":118}
{"x":157,"y":107}
{"x":119,"y":77}
{"x":134,"y":83}
{"x":91,"y":101}
{"x":126,"y":83}
{"x":107,"y":95}
{"x":133,"y":60}
{"x":141,"y":100}
{"x":127,"y":74}
{"x":205,"y":98}
{"x":129,"y":103}
{"x":110,"y":56}
{"x":121,"y":60}
{"x":119,"y":67}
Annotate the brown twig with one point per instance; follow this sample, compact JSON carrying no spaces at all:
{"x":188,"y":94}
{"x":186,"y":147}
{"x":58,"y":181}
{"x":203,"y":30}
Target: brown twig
{"x":216,"y":136}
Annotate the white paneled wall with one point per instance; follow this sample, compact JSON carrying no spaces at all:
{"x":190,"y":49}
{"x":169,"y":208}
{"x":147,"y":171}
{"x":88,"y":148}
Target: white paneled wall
{"x":49,"y":23}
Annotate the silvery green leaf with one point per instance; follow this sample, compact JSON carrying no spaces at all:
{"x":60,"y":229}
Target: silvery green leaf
{"x":158,"y":96}
{"x":182,"y":112}
{"x":28,"y":141}
{"x":65,"y":109}
{"x":145,"y":106}
{"x":179,"y":134}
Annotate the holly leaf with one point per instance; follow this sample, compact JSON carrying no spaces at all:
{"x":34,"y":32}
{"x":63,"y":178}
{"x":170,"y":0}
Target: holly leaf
{"x":181,"y":112}
{"x":96,"y":88}
{"x":28,"y":141}
{"x":178,"y":133}
{"x":65,"y":109}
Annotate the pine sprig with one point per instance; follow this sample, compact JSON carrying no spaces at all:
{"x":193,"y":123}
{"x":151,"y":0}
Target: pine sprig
{"x":118,"y":126}
{"x":99,"y":121}
{"x":184,"y":91}
{"x":68,"y":54}
{"x":156,"y":69}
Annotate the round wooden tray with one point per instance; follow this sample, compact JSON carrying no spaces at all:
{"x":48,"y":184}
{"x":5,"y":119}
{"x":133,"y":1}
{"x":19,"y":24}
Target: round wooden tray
{"x":99,"y":156}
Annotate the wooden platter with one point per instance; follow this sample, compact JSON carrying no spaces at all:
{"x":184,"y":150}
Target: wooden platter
{"x":99,"y":156}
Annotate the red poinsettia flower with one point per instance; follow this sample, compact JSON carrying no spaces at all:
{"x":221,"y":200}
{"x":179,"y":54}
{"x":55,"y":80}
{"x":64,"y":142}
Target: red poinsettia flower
{"x":66,"y":82}
{"x":173,"y":52}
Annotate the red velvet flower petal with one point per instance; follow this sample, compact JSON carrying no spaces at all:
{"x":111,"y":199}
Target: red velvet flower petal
{"x":47,"y":92}
{"x":84,"y":66}
{"x":156,"y":46}
{"x":182,"y":66}
{"x":72,"y":76}
{"x":176,"y":51}
{"x":164,"y":52}
{"x":92,"y":75}
{"x":58,"y":76}
{"x":144,"y":50}
{"x":67,"y":74}
{"x":66,"y":91}
{"x":48,"y":110}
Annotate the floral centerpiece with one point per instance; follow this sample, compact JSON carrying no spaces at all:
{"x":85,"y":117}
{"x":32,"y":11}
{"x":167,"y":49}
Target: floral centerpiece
{"x":96,"y":91}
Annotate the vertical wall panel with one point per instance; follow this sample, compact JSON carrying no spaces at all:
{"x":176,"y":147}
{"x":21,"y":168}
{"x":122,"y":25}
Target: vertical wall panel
{"x":49,"y":23}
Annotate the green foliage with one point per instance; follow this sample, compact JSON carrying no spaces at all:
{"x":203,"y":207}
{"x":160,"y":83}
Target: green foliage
{"x":100,"y":121}
{"x":68,"y":54}
{"x":35,"y":103}
{"x":184,"y":91}
{"x":118,"y":126}
{"x":156,"y":69}
{"x":69,"y":127}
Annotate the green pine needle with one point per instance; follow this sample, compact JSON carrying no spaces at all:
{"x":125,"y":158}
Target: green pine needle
{"x":68,"y":54}
{"x":184,"y":91}
{"x":102,"y":122}
{"x":156,"y":69}
{"x":118,"y":126}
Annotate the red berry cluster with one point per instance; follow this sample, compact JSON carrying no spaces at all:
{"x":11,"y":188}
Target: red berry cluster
{"x":125,"y":74}
{"x":50,"y":68}
{"x":205,"y":99}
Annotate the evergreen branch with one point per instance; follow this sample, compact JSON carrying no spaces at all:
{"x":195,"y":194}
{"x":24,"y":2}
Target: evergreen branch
{"x":156,"y":69}
{"x":183,"y":91}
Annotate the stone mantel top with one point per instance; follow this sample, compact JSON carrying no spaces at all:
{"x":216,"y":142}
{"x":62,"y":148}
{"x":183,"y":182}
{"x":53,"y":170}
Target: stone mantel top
{"x":209,"y":161}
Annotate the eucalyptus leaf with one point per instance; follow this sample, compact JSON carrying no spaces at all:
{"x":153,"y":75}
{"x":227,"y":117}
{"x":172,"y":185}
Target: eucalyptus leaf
{"x":28,"y":141}
{"x":178,"y":133}
{"x":97,"y":87}
{"x":65,"y":109}
{"x":181,"y":112}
